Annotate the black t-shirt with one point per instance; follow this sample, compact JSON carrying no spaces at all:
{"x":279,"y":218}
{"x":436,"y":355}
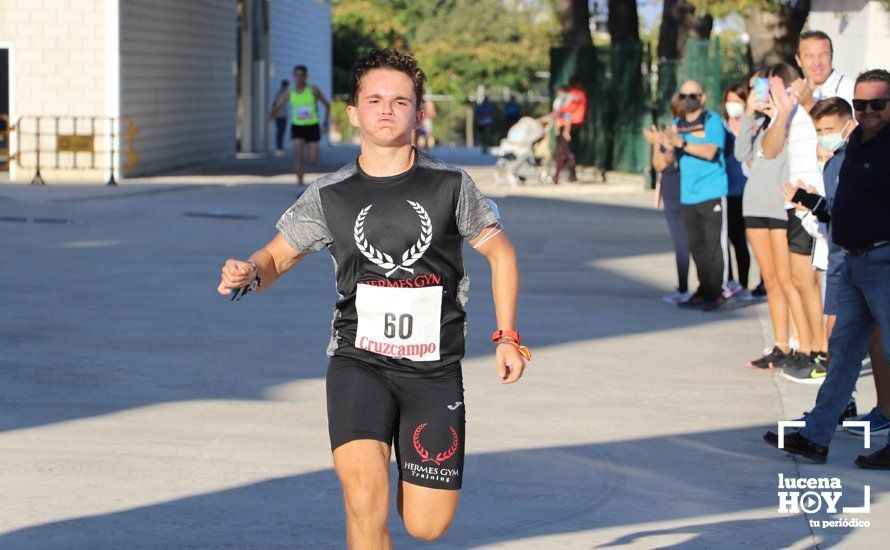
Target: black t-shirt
{"x":859,"y":210}
{"x":396,"y":243}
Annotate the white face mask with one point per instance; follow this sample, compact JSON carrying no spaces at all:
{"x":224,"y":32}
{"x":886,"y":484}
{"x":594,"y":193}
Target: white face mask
{"x":734,"y":110}
{"x":833,"y":142}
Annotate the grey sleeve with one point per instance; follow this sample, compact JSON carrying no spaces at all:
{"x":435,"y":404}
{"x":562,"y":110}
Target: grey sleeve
{"x":473,"y":211}
{"x":744,"y":143}
{"x":303,"y":225}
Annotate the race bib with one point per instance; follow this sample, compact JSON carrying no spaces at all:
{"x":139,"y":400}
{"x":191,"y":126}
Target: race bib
{"x":404,"y":323}
{"x":304,"y":112}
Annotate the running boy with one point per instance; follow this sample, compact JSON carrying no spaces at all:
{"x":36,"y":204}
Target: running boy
{"x":394,"y":221}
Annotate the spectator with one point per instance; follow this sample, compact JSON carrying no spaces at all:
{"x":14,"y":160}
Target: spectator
{"x":820,"y":81}
{"x":512,"y":112}
{"x":766,"y":221}
{"x":668,"y":189}
{"x":484,"y":117}
{"x":833,"y":118}
{"x":424,"y":132}
{"x":859,"y":225}
{"x":574,"y":111}
{"x":733,"y":108}
{"x":562,"y":130}
{"x":698,"y":138}
{"x":279,"y":114}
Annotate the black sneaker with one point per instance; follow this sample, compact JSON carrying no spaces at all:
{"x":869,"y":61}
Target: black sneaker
{"x":797,"y":444}
{"x":759,"y":291}
{"x":694,"y":302}
{"x":716,"y":304}
{"x":763,"y":362}
{"x":878,"y":460}
{"x":809,"y":369}
{"x":792,"y":359}
{"x":849,"y":412}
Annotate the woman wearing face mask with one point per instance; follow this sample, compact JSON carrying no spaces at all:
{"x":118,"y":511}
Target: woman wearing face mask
{"x":733,"y":108}
{"x":766,"y":220}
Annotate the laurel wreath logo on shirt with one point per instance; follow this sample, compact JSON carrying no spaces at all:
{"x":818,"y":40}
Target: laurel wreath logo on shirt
{"x":384,"y":260}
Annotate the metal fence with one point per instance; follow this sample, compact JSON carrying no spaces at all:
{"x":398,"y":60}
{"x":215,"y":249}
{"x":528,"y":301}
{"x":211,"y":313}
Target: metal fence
{"x":627,"y":90}
{"x":74,"y":143}
{"x":4,"y":143}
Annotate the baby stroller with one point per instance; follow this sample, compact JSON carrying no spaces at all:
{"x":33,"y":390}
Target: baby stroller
{"x":521,"y":153}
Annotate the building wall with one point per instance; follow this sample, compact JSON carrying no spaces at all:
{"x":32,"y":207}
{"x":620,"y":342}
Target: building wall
{"x":300,"y":33}
{"x":859,"y":30}
{"x":57,"y":68}
{"x":177,"y":81}
{"x":878,"y":55}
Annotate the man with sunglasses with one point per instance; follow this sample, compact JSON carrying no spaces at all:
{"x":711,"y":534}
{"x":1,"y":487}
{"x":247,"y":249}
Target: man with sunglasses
{"x":698,"y":138}
{"x":859,"y":225}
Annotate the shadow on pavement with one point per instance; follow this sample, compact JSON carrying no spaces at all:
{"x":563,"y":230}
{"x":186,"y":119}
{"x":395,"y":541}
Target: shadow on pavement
{"x":547,"y":491}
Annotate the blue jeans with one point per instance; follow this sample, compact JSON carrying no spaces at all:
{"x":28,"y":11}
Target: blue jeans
{"x":863,"y":301}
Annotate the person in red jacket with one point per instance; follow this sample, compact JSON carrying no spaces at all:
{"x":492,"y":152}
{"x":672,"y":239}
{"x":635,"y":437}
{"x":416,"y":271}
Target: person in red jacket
{"x":572,"y":113}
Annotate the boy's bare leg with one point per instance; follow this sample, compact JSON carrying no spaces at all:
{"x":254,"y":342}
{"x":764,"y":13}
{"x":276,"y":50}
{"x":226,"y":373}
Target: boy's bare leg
{"x":363,"y":468}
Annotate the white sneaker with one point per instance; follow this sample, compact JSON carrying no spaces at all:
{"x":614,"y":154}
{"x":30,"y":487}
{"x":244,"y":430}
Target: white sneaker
{"x":744,"y":295}
{"x":676,"y":297}
{"x":279,"y":152}
{"x":731,"y":289}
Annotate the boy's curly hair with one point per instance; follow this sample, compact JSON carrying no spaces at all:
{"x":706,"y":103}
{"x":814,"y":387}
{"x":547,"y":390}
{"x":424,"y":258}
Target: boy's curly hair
{"x":387,"y":59}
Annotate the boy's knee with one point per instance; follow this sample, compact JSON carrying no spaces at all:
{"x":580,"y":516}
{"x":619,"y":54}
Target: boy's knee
{"x":427,"y":531}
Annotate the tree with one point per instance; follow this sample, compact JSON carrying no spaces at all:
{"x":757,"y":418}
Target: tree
{"x":773,"y":32}
{"x":459,"y":43}
{"x":575,"y":19}
{"x":680,"y":21}
{"x":623,"y":23}
{"x":772,"y":25}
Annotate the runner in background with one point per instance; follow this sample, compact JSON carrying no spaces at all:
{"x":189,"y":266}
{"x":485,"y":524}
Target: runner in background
{"x":305,"y":129}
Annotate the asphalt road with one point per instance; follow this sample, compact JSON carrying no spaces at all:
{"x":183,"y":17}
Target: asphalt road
{"x":140,"y":409}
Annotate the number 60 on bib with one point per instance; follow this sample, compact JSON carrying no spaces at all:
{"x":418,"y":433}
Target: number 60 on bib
{"x":399,"y":322}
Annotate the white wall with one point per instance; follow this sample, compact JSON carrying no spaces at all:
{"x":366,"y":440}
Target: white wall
{"x":56,"y":69}
{"x":300,"y":33}
{"x":177,"y":80}
{"x":859,"y":30}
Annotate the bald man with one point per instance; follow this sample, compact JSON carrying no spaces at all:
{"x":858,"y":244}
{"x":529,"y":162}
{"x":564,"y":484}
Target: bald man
{"x":698,"y":138}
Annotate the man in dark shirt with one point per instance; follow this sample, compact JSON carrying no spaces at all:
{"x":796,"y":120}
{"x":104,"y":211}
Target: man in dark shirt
{"x":859,"y":225}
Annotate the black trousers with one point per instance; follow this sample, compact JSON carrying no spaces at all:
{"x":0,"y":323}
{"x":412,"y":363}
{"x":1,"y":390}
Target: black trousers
{"x":706,"y":229}
{"x":736,"y":230}
{"x":564,"y":156}
{"x":280,"y":127}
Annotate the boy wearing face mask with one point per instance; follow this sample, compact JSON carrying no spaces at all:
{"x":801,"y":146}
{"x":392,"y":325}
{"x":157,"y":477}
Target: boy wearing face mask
{"x":833,"y":119}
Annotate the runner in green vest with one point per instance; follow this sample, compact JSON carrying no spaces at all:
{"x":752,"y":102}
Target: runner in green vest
{"x":304,"y":127}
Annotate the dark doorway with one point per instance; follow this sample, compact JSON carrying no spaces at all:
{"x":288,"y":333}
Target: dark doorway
{"x":4,"y":109}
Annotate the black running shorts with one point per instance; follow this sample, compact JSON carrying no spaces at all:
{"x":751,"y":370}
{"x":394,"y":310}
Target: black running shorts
{"x":422,"y":417}
{"x":760,"y":222}
{"x":309,"y":134}
{"x":799,"y":241}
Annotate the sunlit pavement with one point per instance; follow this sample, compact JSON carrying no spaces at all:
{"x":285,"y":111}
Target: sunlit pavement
{"x":138,"y":408}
